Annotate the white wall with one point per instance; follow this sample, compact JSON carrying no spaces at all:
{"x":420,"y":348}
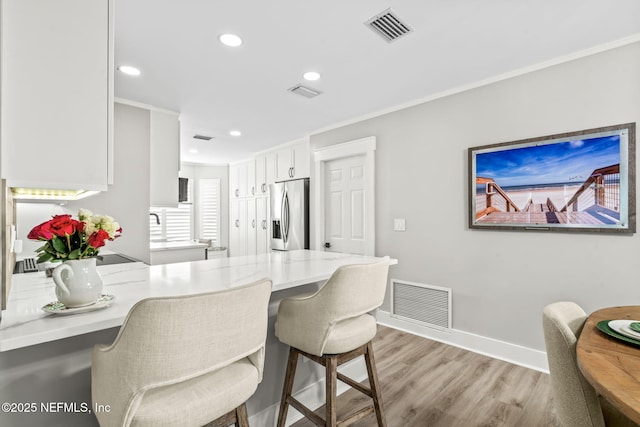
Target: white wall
{"x":501,"y":280}
{"x":127,"y":199}
{"x":28,"y":215}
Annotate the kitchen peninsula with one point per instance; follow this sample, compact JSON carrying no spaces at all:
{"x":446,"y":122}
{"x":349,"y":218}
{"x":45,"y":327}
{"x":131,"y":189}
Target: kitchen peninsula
{"x":47,"y":357}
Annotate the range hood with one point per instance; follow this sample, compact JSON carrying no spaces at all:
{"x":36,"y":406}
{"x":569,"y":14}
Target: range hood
{"x":49,"y":195}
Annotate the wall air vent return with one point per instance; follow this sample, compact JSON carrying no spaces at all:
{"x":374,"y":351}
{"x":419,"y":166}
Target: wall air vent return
{"x":423,"y":304}
{"x":305,"y":91}
{"x":203,"y":137}
{"x":389,"y":26}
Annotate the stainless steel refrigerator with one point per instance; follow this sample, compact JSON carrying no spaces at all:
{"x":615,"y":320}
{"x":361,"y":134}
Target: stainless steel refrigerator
{"x":290,"y":215}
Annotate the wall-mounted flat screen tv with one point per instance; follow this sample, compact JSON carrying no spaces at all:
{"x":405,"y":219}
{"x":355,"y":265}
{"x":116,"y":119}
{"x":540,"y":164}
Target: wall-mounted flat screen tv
{"x":580,"y":181}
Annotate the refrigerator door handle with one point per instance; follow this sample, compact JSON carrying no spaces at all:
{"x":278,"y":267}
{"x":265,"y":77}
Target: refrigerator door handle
{"x":285,"y":217}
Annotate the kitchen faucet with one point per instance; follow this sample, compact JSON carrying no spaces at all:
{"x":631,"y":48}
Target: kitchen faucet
{"x":157,"y":217}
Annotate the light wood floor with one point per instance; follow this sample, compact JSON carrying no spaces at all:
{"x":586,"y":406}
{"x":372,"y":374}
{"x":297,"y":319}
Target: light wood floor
{"x":429,"y":384}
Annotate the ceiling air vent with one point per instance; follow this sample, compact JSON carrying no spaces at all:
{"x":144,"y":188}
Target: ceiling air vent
{"x":305,"y":91}
{"x":203,"y":137}
{"x":389,"y":26}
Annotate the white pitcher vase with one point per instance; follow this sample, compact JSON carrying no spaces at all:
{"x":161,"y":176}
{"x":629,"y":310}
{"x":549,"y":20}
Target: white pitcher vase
{"x":77,"y":282}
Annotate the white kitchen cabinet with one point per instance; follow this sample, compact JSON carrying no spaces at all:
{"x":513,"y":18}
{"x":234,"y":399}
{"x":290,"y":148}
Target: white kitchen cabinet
{"x":234,"y":227}
{"x":249,"y":226}
{"x":249,"y":222}
{"x":241,"y":186}
{"x":242,"y":233}
{"x":262,"y":182}
{"x":237,"y":228}
{"x":262,"y":227}
{"x":234,"y":183}
{"x":293,"y":162}
{"x":57,"y":93}
{"x":284,"y":161}
{"x":165,"y":158}
{"x":251,"y":178}
{"x":270,"y":166}
{"x":242,"y":179}
{"x":252,"y":227}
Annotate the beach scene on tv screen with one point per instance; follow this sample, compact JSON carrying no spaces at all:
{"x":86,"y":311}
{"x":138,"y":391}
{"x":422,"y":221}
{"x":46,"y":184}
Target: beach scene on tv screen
{"x":575,"y":183}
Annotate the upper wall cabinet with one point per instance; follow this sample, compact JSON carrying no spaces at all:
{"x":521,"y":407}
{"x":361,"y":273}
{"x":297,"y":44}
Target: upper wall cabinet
{"x":57,"y":93}
{"x":242,"y":179}
{"x":265,"y":173}
{"x":293,"y":162}
{"x":165,"y":158}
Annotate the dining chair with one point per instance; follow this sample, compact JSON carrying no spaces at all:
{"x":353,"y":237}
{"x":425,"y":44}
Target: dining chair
{"x":331,"y":327}
{"x":576,"y":402}
{"x":184,"y":361}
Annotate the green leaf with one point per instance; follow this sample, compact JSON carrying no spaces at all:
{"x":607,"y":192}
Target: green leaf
{"x":74,"y":254}
{"x":58,"y":244}
{"x":45,"y":257}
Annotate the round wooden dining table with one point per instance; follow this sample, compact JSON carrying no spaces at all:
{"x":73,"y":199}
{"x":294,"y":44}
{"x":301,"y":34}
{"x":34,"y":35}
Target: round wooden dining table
{"x":612,"y":366}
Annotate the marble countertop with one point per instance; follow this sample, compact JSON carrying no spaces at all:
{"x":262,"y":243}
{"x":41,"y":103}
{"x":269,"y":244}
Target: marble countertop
{"x":161,"y":246}
{"x":24,"y":323}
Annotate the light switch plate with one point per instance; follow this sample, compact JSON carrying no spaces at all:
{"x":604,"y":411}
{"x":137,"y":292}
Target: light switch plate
{"x":398,"y":224}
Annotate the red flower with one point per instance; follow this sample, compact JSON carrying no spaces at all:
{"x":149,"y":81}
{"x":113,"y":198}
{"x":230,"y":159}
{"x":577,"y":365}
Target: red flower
{"x":41,"y":232}
{"x":98,"y":238}
{"x":64,"y":225}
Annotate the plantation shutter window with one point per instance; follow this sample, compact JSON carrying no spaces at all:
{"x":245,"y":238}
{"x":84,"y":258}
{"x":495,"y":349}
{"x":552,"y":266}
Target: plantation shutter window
{"x":176,"y":224}
{"x":209,"y":208}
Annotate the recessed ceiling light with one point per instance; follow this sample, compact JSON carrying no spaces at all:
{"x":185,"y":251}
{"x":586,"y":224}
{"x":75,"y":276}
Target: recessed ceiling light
{"x":311,"y":76}
{"x":235,"y":133}
{"x":193,"y":151}
{"x":129,"y":70}
{"x":230,"y":40}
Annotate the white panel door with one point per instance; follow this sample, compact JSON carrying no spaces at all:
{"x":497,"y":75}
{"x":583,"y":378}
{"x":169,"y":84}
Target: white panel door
{"x":345,"y":199}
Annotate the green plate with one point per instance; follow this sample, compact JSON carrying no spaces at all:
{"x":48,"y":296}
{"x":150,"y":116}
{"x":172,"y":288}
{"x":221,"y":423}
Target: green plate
{"x":603,"y":325}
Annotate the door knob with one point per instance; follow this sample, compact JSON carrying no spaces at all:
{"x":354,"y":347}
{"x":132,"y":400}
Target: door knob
{"x":327,"y":245}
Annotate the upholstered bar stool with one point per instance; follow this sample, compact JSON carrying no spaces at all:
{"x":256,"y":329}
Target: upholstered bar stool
{"x":184,"y":361}
{"x":332,"y":327}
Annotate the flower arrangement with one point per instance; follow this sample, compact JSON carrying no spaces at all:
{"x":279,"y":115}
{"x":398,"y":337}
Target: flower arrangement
{"x":67,"y":238}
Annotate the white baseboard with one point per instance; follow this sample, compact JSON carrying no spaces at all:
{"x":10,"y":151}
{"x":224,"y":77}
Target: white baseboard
{"x":313,"y":396}
{"x":502,"y":350}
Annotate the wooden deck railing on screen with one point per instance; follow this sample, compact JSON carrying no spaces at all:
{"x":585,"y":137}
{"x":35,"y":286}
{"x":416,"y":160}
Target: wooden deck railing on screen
{"x":496,"y":199}
{"x":604,"y":180}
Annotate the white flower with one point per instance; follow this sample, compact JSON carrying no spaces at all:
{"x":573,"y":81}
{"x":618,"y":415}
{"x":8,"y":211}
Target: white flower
{"x":92,"y":223}
{"x":83,"y":214}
